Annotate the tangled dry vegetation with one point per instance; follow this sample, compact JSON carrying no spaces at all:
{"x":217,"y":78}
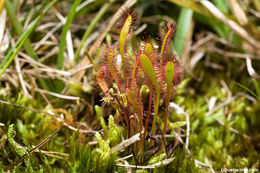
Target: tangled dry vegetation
{"x":79,"y":94}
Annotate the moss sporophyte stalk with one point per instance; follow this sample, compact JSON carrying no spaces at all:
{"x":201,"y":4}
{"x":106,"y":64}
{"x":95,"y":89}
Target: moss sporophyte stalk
{"x":143,"y":65}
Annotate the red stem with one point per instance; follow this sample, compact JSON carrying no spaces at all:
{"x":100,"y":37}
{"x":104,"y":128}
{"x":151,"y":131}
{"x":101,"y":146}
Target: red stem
{"x":126,"y":113}
{"x":166,"y":113}
{"x":121,"y":118}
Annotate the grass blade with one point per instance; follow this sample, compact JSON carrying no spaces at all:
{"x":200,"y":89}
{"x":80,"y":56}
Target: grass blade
{"x":19,"y":29}
{"x":247,"y":89}
{"x":20,"y":42}
{"x":91,"y":28}
{"x":10,"y":56}
{"x":182,"y":29}
{"x":257,"y":88}
{"x":38,"y":11}
{"x":65,"y":30}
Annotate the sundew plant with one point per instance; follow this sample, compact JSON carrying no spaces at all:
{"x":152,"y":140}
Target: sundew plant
{"x":93,"y":86}
{"x":136,"y":72}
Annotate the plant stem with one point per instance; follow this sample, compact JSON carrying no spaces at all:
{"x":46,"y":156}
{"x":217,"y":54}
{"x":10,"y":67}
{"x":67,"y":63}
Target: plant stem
{"x":156,"y":110}
{"x":126,"y":115}
{"x":166,"y":112}
{"x":121,"y":118}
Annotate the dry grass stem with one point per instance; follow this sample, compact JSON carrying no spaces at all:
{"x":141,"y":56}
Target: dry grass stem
{"x":232,"y":54}
{"x":20,"y":76}
{"x":250,"y":69}
{"x":205,"y":165}
{"x":125,"y":143}
{"x":226,"y":102}
{"x":66,"y":97}
{"x":2,"y":24}
{"x":34,"y":149}
{"x":230,"y":23}
{"x":158,"y":164}
{"x":124,"y":158}
{"x":180,"y":111}
{"x":238,"y":12}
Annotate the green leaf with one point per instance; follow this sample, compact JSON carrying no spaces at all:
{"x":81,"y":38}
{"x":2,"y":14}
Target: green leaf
{"x":149,"y":70}
{"x":169,"y":74}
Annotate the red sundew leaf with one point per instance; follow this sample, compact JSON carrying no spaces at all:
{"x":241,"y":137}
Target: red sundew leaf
{"x":101,"y":79}
{"x":170,"y":31}
{"x":112,"y":68}
{"x":124,"y":34}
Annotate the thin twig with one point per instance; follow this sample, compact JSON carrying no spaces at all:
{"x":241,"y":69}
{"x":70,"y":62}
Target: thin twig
{"x":179,"y":110}
{"x":20,"y":76}
{"x":54,"y":154}
{"x":34,"y":149}
{"x":205,"y":165}
{"x":48,"y":69}
{"x":229,"y":100}
{"x":232,"y":54}
{"x":123,"y":158}
{"x":187,"y":133}
{"x":158,"y":164}
{"x":250,"y":69}
{"x":66,"y":97}
{"x":125,"y":143}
